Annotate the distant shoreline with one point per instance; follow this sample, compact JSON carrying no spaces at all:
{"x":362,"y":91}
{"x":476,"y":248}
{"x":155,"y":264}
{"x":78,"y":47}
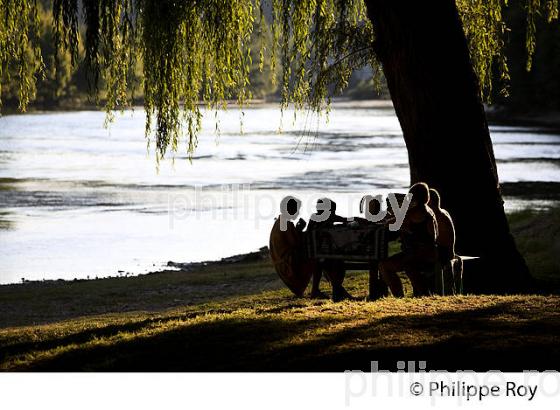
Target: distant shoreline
{"x":171,"y":267}
{"x":549,"y":120}
{"x":256,"y":103}
{"x":495,"y":115}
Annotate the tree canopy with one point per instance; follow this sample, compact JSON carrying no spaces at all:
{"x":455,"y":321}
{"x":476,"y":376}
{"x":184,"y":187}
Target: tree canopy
{"x":203,"y":51}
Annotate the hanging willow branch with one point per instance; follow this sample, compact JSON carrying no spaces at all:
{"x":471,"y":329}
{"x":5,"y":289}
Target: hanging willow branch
{"x":193,"y":51}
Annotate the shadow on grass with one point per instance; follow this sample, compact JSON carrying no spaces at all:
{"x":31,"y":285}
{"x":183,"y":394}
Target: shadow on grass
{"x":10,"y":348}
{"x":480,"y":339}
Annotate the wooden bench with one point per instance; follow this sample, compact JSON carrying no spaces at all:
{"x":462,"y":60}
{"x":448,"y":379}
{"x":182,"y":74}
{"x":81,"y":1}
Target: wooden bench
{"x":449,"y":277}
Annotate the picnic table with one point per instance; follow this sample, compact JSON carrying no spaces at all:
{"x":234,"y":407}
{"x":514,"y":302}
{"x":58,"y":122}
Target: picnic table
{"x":363,"y":246}
{"x":360,"y":247}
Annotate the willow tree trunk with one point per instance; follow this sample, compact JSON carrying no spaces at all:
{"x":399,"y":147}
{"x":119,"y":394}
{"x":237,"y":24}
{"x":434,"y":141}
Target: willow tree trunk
{"x":435,"y":92}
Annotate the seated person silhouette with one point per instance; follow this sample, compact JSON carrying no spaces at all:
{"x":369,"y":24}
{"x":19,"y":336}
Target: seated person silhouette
{"x":418,"y":246}
{"x":334,"y":269}
{"x":451,"y":265}
{"x":287,"y":248}
{"x":378,"y":288}
{"x":446,"y":230}
{"x":390,"y":216}
{"x":320,"y":220}
{"x":373,"y":207}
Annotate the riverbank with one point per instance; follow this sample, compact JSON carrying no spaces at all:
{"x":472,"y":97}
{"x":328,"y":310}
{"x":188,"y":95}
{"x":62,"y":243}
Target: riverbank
{"x":183,"y":284}
{"x":496,"y":115}
{"x":339,"y":103}
{"x":235,"y":314}
{"x":549,"y":120}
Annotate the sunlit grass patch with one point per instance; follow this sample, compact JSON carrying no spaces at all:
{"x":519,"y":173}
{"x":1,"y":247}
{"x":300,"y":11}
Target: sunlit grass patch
{"x":277,"y":330}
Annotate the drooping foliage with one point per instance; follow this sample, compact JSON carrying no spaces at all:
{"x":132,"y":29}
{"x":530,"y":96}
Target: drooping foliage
{"x":537,"y":91}
{"x":20,"y":54}
{"x":199,"y":51}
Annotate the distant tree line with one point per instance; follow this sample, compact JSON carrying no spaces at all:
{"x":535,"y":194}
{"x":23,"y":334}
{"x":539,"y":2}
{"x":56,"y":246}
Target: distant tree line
{"x":64,"y":86}
{"x":537,"y":90}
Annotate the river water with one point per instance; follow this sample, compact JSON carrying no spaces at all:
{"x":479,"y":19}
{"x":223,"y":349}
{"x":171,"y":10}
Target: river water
{"x":80,"y":200}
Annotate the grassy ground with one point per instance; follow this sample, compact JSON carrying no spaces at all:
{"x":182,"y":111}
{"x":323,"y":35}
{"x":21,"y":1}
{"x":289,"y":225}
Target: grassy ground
{"x":239,"y":317}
